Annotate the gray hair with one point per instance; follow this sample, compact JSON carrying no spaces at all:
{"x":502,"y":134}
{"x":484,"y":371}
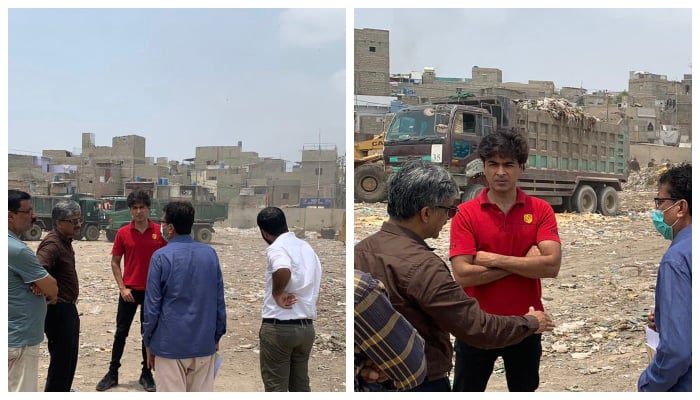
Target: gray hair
{"x":64,"y":209}
{"x":416,"y":185}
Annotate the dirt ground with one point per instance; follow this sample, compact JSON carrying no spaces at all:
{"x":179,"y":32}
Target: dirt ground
{"x":242,"y":257}
{"x":599,"y":301}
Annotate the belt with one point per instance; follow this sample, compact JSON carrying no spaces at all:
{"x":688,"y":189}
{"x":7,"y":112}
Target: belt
{"x":288,"y":321}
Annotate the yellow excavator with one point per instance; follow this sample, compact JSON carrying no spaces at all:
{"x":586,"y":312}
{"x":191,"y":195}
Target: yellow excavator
{"x":370,"y":179}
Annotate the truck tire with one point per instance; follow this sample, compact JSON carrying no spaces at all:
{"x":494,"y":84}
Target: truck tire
{"x":608,"y":201}
{"x":471,"y":192}
{"x":585,"y":200}
{"x":92,"y":233}
{"x":203,"y":235}
{"x":34,"y":233}
{"x":370,"y":183}
{"x":111,"y":235}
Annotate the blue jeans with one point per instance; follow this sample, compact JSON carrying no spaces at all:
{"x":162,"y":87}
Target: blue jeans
{"x":284,"y":356}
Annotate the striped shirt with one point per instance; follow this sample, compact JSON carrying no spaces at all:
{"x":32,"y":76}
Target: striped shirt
{"x":385,"y":337}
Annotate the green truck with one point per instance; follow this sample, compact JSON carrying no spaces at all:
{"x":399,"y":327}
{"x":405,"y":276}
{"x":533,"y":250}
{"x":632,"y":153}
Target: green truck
{"x":90,"y":215}
{"x":206,"y":214}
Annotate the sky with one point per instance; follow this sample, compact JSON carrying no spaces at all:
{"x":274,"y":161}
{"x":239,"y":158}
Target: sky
{"x":590,"y":48}
{"x":273,"y":79}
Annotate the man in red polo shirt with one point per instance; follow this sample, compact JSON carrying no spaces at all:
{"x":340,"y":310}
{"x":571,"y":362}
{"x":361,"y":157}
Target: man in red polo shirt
{"x":136,"y":242}
{"x":501,"y":244}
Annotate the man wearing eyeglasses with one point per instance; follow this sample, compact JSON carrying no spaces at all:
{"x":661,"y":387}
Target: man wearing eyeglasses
{"x":25,"y":310}
{"x":671,"y":368}
{"x":501,"y":244}
{"x":419,"y":283}
{"x":62,"y":324}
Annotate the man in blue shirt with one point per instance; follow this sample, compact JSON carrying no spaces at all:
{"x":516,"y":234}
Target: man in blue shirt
{"x":671,"y":368}
{"x":184,"y":309}
{"x":25,"y":310}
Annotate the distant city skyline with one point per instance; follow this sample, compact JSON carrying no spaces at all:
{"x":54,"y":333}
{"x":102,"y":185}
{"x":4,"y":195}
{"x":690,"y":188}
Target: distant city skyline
{"x":591,"y":48}
{"x":273,"y":79}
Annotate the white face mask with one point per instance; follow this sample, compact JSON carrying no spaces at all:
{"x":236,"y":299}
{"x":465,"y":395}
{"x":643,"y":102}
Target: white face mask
{"x":162,"y":233}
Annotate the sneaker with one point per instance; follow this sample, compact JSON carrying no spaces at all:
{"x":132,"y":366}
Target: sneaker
{"x":146,"y":380}
{"x":109,"y":380}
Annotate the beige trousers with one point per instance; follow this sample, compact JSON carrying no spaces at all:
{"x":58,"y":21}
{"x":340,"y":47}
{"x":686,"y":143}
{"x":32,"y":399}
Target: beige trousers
{"x":23,"y":369}
{"x":185,"y":375}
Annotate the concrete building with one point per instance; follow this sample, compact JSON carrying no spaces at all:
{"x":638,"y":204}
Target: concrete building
{"x":371,"y":70}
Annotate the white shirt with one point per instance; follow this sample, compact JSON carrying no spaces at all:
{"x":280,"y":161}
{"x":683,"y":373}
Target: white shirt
{"x":288,"y":251}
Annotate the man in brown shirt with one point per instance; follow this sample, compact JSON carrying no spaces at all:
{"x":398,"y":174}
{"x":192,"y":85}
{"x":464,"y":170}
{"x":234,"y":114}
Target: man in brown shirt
{"x":62,"y":324}
{"x":419,"y":283}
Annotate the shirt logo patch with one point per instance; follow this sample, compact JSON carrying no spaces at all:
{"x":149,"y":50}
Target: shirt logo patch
{"x":527,"y":218}
{"x":154,"y":236}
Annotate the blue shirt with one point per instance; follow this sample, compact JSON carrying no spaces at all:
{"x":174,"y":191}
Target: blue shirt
{"x":25,"y":310}
{"x":671,"y":369}
{"x":184,"y":310}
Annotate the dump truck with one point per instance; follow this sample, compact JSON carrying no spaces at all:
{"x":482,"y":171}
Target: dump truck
{"x":206,"y":214}
{"x":576,"y":163}
{"x":90,"y":215}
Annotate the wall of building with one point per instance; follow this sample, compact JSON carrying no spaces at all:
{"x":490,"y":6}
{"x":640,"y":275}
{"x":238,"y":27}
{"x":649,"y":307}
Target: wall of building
{"x":645,"y":152}
{"x":309,"y":219}
{"x":371,"y":70}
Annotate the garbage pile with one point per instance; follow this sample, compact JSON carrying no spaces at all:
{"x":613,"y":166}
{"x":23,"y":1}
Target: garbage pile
{"x":559,"y":109}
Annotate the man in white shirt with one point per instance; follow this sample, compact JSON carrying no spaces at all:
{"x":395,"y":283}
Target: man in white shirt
{"x":292,"y":282}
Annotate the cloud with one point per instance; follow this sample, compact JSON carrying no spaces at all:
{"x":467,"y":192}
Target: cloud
{"x":337,"y":81}
{"x":309,"y":28}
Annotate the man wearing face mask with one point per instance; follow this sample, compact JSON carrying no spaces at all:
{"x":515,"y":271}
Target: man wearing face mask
{"x":136,"y":243}
{"x":671,"y":368}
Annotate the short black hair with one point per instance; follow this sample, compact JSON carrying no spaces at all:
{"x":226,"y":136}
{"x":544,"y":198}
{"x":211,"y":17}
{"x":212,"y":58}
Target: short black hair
{"x":679,"y":180}
{"x":272,"y":221}
{"x":14,"y":199}
{"x":507,"y":143}
{"x":138,"y":196}
{"x":181,"y":215}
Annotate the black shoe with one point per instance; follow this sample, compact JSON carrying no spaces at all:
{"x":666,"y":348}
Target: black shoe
{"x":146,"y":380}
{"x":109,"y":380}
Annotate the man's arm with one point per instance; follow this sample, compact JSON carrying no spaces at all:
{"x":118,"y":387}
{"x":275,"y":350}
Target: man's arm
{"x":467,"y":273}
{"x":124,"y":291}
{"x":544,"y":265}
{"x":386,"y":338}
{"x":280,"y":279}
{"x":48,"y":287}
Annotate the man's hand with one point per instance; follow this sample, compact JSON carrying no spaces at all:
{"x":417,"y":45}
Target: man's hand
{"x":126,"y":295}
{"x":37,"y":291}
{"x":545,"y":321}
{"x":371,"y":373}
{"x":285,"y":300}
{"x":534,"y":251}
{"x":150,"y":359}
{"x":651,"y":324}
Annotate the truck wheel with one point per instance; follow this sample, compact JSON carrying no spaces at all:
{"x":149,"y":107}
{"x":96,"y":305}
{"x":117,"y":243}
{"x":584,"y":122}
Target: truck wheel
{"x":203,"y":235}
{"x":585,"y":200}
{"x":111,"y":235}
{"x":370,"y":183}
{"x":471,"y":192}
{"x":92,"y":233}
{"x":608,"y":202}
{"x":34,"y":233}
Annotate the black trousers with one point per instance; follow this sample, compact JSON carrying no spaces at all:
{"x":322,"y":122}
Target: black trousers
{"x":125,"y":316}
{"x":62,"y":328}
{"x":437,"y":385}
{"x":473,"y":367}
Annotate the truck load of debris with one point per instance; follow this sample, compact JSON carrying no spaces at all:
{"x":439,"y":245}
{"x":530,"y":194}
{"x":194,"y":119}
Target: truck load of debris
{"x":559,"y":109}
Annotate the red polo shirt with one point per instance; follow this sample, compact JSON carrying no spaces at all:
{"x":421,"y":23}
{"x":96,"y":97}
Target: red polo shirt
{"x":481,"y":225}
{"x":137,"y":249}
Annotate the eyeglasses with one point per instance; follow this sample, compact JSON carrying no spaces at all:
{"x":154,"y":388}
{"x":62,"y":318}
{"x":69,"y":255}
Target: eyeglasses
{"x":31,"y":210}
{"x":451,"y":211}
{"x":74,"y":221}
{"x":660,"y":200}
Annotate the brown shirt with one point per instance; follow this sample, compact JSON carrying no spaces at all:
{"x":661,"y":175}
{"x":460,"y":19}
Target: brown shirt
{"x":421,"y":287}
{"x":55,"y":253}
